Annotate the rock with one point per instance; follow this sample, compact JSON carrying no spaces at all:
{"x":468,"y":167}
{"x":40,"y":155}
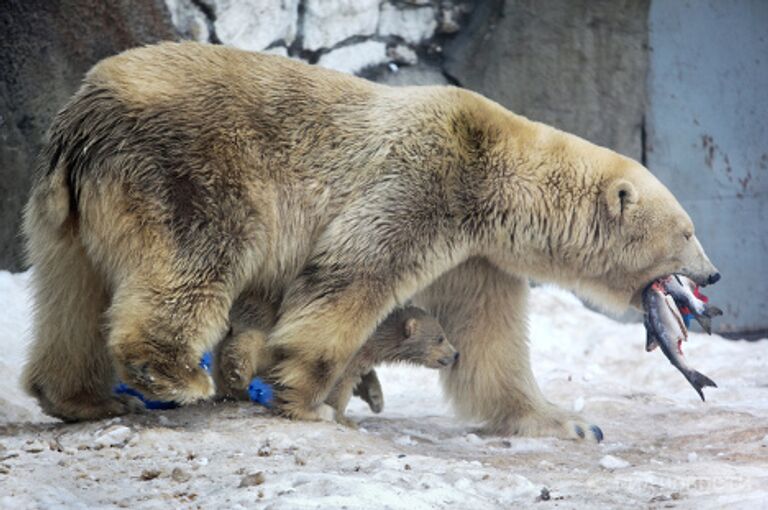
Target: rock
{"x":355,"y":57}
{"x":179,"y":475}
{"x":189,"y":20}
{"x":449,"y":21}
{"x":149,"y":474}
{"x":610,"y":462}
{"x":580,"y":65}
{"x":328,"y":22}
{"x":412,"y":24}
{"x":402,"y":54}
{"x":255,"y":24}
{"x":252,"y":480}
{"x":116,"y":435}
{"x":47,"y":48}
{"x":277,"y":50}
{"x":420,"y":74}
{"x":36,"y":446}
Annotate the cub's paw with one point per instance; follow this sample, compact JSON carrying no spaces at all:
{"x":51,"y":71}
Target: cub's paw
{"x":369,"y":389}
{"x":235,"y":370}
{"x":553,"y":422}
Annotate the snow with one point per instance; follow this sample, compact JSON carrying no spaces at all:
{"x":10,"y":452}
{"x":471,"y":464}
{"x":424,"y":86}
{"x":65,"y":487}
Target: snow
{"x":663,"y":446}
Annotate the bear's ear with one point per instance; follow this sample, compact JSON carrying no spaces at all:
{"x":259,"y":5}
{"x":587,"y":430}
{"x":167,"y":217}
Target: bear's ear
{"x":410,"y":327}
{"x":620,"y":195}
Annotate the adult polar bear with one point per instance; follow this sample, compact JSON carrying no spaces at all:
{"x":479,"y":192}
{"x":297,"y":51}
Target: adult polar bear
{"x":181,"y":176}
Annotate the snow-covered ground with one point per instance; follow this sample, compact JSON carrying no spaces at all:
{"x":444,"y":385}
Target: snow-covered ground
{"x":664,"y":448}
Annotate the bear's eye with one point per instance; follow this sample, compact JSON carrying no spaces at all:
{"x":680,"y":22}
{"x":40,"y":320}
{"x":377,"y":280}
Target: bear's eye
{"x":688,"y":235}
{"x":440,"y":339}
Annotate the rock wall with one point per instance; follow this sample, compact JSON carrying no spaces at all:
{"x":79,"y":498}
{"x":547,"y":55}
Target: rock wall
{"x":45,"y":48}
{"x":352,"y":36}
{"x":580,"y":65}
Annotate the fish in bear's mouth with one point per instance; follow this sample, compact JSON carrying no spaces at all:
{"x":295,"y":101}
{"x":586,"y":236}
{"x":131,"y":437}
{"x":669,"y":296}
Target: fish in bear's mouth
{"x":669,"y":303}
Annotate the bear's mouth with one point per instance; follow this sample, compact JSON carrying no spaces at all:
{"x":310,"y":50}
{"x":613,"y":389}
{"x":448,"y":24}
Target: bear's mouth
{"x":637,"y":297}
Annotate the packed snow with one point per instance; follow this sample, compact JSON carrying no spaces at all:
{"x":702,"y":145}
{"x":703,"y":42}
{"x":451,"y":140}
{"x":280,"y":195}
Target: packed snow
{"x":663,"y":447}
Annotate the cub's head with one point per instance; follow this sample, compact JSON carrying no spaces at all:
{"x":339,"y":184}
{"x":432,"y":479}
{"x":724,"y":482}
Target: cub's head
{"x":636,"y":231}
{"x":423,"y":340}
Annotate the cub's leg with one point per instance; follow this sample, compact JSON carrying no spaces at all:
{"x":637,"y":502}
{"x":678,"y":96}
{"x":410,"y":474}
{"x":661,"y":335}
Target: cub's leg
{"x":369,"y":389}
{"x":243,"y":354}
{"x":160,"y":326}
{"x":236,"y":362}
{"x":484,"y":312}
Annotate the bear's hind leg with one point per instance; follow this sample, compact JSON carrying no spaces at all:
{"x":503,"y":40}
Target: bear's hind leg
{"x":492,"y":381}
{"x":160,"y":326}
{"x":68,"y":369}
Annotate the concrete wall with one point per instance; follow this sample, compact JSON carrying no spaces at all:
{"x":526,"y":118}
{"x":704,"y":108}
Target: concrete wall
{"x":579,"y":65}
{"x":707,"y":140}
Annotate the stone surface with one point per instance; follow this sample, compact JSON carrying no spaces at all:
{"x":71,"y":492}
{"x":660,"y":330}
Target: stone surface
{"x":46,"y":49}
{"x":420,"y":74}
{"x":355,"y":57}
{"x":255,"y":24}
{"x":580,"y":65}
{"x":402,"y":54}
{"x":328,"y":22}
{"x":277,"y":50}
{"x":189,"y":20}
{"x":413,"y":24}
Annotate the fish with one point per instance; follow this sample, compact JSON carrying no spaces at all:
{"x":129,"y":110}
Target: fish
{"x":666,"y":329}
{"x":686,"y":294}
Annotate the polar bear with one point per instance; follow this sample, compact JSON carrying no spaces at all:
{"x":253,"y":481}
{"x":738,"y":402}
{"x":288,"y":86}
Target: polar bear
{"x":181,"y":176}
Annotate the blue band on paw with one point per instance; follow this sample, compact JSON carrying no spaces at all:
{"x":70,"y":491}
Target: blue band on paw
{"x":123,"y":389}
{"x":206,"y":362}
{"x":260,"y":392}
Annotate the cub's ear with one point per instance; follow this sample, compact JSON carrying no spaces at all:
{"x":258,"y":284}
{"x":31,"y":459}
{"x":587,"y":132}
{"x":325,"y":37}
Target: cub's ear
{"x":410,"y":327}
{"x":620,"y":195}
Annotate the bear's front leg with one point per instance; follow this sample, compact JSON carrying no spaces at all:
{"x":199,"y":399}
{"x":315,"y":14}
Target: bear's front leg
{"x":324,"y":321}
{"x":484,"y":312}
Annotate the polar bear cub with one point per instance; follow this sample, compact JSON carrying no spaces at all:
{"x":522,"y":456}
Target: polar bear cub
{"x":408,"y":334}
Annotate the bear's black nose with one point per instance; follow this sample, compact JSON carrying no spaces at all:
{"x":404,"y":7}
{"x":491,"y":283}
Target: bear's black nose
{"x":714,"y":278}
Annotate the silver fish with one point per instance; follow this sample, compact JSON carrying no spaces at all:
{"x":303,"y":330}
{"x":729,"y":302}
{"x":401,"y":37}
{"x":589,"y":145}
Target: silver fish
{"x":684,"y":291}
{"x":666,"y":329}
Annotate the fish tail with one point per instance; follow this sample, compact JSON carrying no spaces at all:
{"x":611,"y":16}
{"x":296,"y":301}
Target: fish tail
{"x":705,"y":322}
{"x":712,"y":311}
{"x":699,"y":381}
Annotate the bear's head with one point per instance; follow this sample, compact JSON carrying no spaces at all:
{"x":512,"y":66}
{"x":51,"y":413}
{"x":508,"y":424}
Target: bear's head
{"x":591,"y":220}
{"x":646,"y":234}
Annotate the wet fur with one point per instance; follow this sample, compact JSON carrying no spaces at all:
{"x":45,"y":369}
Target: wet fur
{"x":181,"y":176}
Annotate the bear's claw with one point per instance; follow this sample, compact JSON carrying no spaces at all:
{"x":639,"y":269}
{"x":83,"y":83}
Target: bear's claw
{"x":597,"y":432}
